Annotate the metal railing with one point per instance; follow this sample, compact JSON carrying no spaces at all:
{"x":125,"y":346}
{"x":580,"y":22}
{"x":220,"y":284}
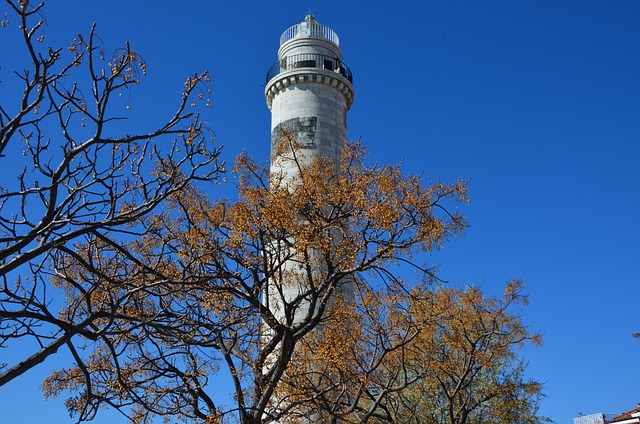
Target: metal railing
{"x":310,"y":60}
{"x":310,"y":29}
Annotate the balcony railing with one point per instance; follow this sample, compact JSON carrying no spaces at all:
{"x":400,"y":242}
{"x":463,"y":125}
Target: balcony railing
{"x":310,"y":60}
{"x":310,"y":29}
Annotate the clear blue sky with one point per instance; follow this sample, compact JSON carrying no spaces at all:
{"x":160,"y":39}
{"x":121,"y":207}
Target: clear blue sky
{"x":536,"y":101}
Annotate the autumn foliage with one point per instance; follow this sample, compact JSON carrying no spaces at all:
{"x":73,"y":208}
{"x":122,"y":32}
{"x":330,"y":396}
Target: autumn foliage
{"x":288,"y":303}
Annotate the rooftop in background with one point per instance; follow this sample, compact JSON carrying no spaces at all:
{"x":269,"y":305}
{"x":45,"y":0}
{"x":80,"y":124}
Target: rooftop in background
{"x":628,"y":417}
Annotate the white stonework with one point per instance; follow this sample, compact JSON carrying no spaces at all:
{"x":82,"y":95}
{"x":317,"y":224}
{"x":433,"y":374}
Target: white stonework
{"x":309,"y":91}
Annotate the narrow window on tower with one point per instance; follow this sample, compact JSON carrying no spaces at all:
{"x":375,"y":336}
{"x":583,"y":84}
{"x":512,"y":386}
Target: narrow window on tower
{"x":344,"y":118}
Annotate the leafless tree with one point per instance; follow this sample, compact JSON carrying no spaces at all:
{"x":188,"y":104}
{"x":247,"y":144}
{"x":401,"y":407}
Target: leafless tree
{"x":85,"y":177}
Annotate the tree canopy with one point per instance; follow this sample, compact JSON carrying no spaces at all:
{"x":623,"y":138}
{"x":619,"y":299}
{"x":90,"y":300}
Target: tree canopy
{"x":113,"y":248}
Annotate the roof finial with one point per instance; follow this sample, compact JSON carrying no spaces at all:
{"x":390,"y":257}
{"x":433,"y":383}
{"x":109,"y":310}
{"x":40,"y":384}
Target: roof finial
{"x":310,"y":18}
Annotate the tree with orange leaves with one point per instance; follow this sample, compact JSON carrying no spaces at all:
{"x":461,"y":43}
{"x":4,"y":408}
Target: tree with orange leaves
{"x":203,"y":309}
{"x":431,"y":355}
{"x":469,"y":361}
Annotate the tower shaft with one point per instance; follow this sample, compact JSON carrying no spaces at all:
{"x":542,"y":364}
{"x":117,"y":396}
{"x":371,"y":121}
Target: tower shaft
{"x":309,"y":91}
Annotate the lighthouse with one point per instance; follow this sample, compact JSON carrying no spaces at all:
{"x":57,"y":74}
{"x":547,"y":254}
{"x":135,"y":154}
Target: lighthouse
{"x":309,"y":91}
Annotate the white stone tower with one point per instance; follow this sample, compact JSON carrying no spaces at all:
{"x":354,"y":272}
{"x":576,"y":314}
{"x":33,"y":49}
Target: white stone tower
{"x":309,"y":91}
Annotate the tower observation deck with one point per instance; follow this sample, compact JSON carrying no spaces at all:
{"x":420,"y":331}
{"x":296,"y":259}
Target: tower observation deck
{"x":310,"y":28}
